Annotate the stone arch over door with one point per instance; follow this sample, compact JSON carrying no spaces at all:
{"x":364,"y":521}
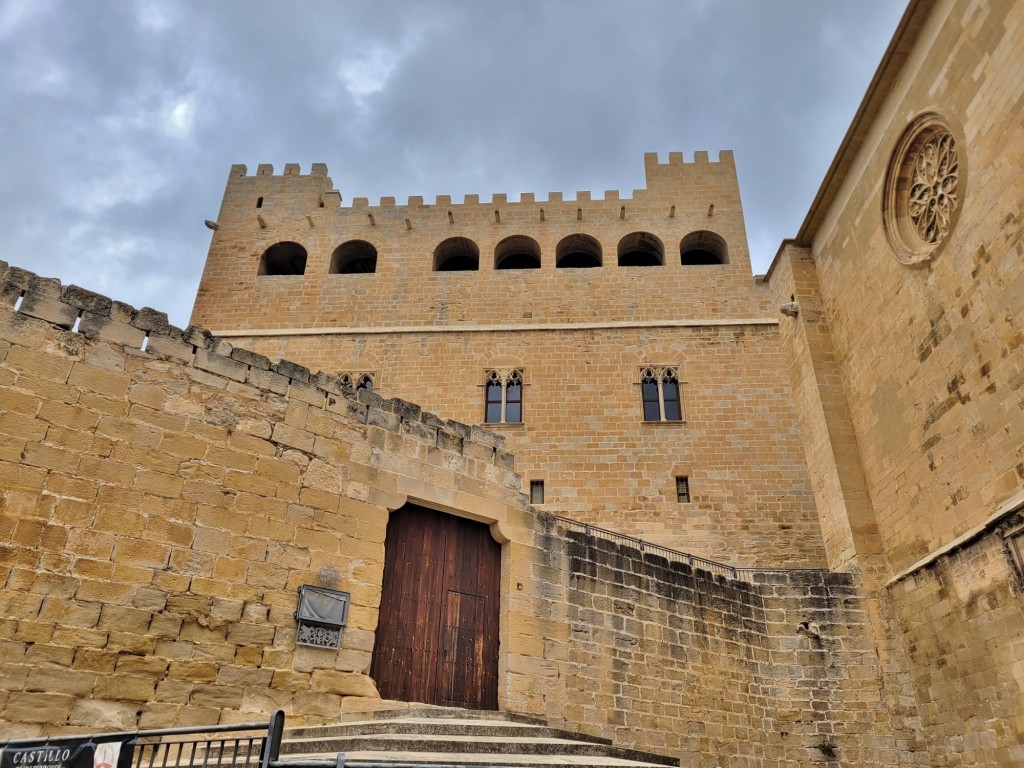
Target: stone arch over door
{"x":437,"y":636}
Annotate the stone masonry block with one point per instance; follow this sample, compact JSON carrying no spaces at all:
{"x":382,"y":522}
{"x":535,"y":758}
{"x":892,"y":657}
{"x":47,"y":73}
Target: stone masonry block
{"x":220,"y":365}
{"x":343,"y":683}
{"x":19,"y":278}
{"x":370,"y":398}
{"x":504,"y":459}
{"x":51,"y":310}
{"x":110,"y":329}
{"x":350,"y":409}
{"x":419,"y":431}
{"x":122,"y":313}
{"x":48,"y":708}
{"x":86,"y":300}
{"x":251,"y":359}
{"x":483,"y":437}
{"x":408,"y":411}
{"x":44,"y":286}
{"x":198,"y":337}
{"x":151,"y":320}
{"x":446,"y":441}
{"x":292,"y":370}
{"x":167,"y":346}
{"x":302,"y":392}
{"x":383,"y":419}
{"x":328,"y":383}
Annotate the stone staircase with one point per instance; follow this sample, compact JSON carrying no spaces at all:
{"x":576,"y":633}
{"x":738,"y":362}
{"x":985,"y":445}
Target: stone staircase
{"x":440,"y":736}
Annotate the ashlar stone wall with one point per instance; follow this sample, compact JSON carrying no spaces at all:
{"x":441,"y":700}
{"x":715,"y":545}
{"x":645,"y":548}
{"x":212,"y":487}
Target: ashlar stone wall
{"x":159,"y":508}
{"x":164,"y":494}
{"x":908,"y":372}
{"x":579,"y":338}
{"x":771,"y":669}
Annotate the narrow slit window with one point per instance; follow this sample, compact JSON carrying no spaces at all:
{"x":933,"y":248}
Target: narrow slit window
{"x":536,"y":491}
{"x":683,"y":490}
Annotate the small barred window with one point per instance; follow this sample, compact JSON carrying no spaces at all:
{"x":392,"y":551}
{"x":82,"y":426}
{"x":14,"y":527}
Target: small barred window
{"x":659,"y":394}
{"x":536,"y":491}
{"x":683,"y":490}
{"x":503,"y":397}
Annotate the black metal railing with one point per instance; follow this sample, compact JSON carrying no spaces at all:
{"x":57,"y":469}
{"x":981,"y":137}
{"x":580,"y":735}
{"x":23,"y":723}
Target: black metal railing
{"x":249,"y":745}
{"x":672,"y":555}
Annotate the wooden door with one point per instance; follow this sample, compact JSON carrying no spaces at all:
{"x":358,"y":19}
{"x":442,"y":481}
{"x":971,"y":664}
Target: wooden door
{"x":437,"y":637}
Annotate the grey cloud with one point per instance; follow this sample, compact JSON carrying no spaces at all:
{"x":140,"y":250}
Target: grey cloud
{"x":102,"y":188}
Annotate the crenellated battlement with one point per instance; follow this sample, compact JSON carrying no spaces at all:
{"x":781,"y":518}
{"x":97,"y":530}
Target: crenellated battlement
{"x":636,"y":256}
{"x":674,"y":175}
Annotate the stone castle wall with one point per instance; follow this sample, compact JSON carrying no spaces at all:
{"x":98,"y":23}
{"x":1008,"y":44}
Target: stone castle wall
{"x":716,"y":671}
{"x":164,"y":495}
{"x":580,"y":337}
{"x":159,"y":508}
{"x":681,"y":199}
{"x":583,"y":435}
{"x":909,"y":376}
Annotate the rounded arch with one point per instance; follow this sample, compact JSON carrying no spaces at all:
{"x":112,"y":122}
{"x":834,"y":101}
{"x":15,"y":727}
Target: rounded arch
{"x":641,"y":249}
{"x":354,"y":257}
{"x":703,"y":247}
{"x":578,"y":252}
{"x":517,"y":252}
{"x":457,"y":254}
{"x":285,"y":258}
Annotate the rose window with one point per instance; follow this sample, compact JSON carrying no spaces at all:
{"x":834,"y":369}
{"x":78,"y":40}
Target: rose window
{"x":924,"y":189}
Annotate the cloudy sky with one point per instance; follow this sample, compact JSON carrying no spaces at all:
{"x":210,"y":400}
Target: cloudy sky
{"x":121,"y":119}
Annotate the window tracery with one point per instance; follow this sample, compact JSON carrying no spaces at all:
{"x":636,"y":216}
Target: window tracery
{"x":357,"y":381}
{"x":659,"y":394}
{"x":924,"y":188}
{"x":503,"y":397}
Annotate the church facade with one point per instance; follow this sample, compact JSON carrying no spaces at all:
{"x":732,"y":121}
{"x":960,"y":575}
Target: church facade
{"x":562,"y":457}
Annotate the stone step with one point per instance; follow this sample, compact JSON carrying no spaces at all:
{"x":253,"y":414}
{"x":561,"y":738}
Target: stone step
{"x":446,"y":736}
{"x":425,"y":759}
{"x":471,"y":745}
{"x":439,"y":727}
{"x":427,"y":711}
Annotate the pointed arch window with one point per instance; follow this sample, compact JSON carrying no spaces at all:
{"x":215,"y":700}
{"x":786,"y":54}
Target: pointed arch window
{"x":357,"y":381}
{"x":659,"y":394}
{"x":503,"y":397}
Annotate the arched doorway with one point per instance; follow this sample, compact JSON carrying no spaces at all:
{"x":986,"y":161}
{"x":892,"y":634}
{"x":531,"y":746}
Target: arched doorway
{"x":437,"y":638}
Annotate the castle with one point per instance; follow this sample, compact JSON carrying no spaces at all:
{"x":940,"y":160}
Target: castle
{"x":507,"y":421}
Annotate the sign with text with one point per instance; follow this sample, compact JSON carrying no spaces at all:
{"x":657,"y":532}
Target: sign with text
{"x":64,"y":753}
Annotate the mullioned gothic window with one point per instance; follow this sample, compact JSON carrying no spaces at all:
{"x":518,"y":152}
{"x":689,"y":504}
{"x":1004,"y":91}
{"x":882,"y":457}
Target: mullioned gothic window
{"x":659,"y":392}
{"x":357,"y":380}
{"x":503,"y":397}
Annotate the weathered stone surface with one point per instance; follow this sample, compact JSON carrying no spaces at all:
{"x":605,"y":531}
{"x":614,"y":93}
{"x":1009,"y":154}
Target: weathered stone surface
{"x":343,"y":683}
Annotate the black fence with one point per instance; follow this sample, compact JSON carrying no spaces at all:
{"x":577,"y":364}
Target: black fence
{"x":672,"y":555}
{"x":245,"y":745}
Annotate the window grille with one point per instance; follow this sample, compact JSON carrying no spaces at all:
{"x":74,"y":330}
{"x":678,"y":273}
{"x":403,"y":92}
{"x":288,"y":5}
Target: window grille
{"x":536,"y":491}
{"x":683,"y":490}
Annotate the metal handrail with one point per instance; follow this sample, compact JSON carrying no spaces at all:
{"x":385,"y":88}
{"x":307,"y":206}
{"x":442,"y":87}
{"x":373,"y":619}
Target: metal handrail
{"x":739,"y":573}
{"x":138,"y":741}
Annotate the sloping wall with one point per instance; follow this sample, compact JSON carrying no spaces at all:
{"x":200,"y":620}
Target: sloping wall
{"x":160,"y":508}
